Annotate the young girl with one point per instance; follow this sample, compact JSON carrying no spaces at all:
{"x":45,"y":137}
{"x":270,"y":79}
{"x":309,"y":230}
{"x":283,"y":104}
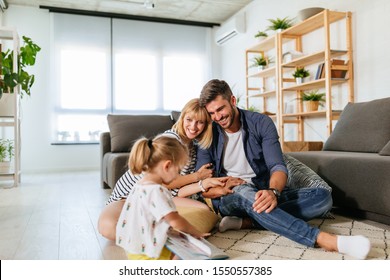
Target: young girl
{"x":149,"y":211}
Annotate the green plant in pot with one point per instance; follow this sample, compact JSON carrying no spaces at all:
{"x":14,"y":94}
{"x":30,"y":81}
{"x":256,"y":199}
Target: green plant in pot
{"x":280,"y":24}
{"x":261,"y":62}
{"x":261,"y":35}
{"x":313,"y":99}
{"x":6,"y":154}
{"x":300,"y":73}
{"x":26,"y":57}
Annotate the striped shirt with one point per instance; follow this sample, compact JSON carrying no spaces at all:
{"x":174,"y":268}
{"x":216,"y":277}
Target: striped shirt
{"x":125,"y":183}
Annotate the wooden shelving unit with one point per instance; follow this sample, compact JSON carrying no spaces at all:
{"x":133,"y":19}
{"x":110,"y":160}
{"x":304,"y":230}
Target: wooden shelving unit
{"x":295,"y":39}
{"x":12,"y":122}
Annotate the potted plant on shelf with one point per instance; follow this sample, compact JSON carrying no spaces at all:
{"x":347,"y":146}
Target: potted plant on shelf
{"x":261,"y":62}
{"x":312,"y":99}
{"x":280,"y":24}
{"x":299,"y":74}
{"x":6,"y":154}
{"x":26,"y":57}
{"x":261,"y":35}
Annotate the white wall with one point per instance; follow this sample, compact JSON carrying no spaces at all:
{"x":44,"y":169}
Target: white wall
{"x":37,"y":152}
{"x":370,"y":23}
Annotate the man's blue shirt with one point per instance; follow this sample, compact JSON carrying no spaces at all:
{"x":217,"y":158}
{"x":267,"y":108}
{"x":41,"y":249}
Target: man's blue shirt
{"x":261,"y":147}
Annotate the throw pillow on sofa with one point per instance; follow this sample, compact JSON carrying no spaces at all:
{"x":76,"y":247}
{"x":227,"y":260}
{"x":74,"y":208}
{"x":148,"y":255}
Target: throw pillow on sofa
{"x":362,"y":127}
{"x":301,"y":176}
{"x":125,"y":129}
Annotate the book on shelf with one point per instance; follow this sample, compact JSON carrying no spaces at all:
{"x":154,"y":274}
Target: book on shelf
{"x":187,"y":247}
{"x":320,"y":71}
{"x":338,"y":73}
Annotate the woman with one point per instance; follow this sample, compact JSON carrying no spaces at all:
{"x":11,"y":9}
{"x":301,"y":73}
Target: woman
{"x":193,"y":128}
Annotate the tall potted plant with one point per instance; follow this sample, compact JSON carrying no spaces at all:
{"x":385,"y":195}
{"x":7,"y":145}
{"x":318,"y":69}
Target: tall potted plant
{"x":11,"y":78}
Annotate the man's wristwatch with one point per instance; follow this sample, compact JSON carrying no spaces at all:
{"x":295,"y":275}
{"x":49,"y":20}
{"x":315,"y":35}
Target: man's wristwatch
{"x":276,"y":192}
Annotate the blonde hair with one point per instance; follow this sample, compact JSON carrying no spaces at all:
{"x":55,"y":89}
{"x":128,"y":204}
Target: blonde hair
{"x":194,"y":110}
{"x":147,"y":153}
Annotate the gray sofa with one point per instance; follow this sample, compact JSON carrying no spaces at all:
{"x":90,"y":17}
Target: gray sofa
{"x":355,"y":160}
{"x":116,"y":144}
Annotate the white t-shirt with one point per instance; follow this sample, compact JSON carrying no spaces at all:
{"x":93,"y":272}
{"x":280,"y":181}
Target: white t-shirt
{"x":141,"y":228}
{"x":234,"y":160}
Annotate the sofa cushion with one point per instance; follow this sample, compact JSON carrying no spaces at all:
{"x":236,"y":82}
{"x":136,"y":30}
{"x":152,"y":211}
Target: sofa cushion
{"x":362,"y":127}
{"x":125,"y":129}
{"x":175,"y":115}
{"x":386,"y":150}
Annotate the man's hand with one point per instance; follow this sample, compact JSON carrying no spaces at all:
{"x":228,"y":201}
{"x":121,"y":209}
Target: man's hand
{"x":265,"y":200}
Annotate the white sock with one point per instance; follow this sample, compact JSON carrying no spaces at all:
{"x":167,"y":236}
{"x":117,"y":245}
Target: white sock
{"x":355,"y":246}
{"x":230,"y":222}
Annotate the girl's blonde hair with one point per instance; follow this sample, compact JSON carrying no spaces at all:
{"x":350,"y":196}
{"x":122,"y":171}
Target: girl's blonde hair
{"x":194,"y":110}
{"x":147,"y":153}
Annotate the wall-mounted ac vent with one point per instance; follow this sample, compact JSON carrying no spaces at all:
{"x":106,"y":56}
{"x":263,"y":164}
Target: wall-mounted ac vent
{"x":230,"y":29}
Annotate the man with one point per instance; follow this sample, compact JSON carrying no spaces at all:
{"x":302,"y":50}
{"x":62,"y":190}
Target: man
{"x":246,"y":147}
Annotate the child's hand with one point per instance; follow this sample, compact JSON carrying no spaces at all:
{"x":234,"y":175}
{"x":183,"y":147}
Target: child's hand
{"x":199,"y":234}
{"x":214,"y":182}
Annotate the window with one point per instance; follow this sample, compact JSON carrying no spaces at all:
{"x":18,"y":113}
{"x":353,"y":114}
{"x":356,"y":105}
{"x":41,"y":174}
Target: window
{"x":103,"y":65}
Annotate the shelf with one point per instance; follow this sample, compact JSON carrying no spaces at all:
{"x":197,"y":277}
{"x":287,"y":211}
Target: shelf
{"x":8,"y":33}
{"x":320,"y":83}
{"x":297,"y":39}
{"x":320,"y":113}
{"x":12,"y":101}
{"x":265,"y":45}
{"x":267,"y":72}
{"x":312,"y":58}
{"x":264,"y":94}
{"x":313,"y":23}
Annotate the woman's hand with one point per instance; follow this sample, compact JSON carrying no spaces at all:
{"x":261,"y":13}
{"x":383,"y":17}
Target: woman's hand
{"x":205,"y":171}
{"x":214,"y":182}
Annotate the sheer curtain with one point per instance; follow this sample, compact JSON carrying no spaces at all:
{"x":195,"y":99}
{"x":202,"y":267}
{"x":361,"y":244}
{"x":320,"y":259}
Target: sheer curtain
{"x":103,"y":65}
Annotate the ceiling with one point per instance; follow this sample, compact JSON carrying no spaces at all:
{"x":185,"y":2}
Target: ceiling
{"x":211,"y":11}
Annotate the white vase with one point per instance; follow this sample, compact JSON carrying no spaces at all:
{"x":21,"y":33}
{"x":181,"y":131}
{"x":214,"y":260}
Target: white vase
{"x":7,"y":105}
{"x":5,"y":167}
{"x":260,"y":68}
{"x":299,"y":80}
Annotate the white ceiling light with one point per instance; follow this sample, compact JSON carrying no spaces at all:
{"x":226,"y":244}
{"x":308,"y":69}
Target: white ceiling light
{"x":148,"y":4}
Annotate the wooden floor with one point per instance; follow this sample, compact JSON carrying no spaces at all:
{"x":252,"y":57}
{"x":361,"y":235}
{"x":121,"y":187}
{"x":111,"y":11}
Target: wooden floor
{"x":54,"y":216}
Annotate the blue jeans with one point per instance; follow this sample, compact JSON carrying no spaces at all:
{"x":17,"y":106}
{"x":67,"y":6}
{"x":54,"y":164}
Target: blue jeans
{"x":295,"y":207}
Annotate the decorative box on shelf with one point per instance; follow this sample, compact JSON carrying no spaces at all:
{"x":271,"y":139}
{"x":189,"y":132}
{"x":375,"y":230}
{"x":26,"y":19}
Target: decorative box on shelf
{"x":301,"y":146}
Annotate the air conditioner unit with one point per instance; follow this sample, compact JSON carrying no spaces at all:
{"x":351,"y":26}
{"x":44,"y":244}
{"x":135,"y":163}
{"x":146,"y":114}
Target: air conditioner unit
{"x":230,"y":29}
